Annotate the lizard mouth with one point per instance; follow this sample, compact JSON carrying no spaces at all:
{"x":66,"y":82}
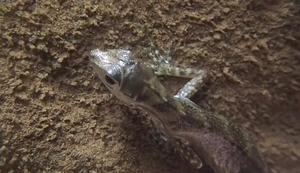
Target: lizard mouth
{"x":109,"y":80}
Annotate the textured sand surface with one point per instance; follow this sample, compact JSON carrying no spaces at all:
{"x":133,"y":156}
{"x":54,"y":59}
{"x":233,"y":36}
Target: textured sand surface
{"x":56,"y":116}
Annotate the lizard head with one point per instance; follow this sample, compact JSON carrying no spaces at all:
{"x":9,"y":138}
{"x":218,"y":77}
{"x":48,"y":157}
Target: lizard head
{"x":112,"y":66}
{"x":125,"y":78}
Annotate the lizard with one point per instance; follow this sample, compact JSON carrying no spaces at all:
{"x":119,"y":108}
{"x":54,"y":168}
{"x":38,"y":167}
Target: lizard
{"x":198,"y":136}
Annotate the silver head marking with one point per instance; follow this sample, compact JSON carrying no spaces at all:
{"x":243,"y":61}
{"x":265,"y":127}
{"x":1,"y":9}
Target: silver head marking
{"x":112,"y":66}
{"x":126,"y":79}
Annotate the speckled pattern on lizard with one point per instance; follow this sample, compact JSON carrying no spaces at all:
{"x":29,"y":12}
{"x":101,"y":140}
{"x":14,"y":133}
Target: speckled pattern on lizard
{"x":198,"y":136}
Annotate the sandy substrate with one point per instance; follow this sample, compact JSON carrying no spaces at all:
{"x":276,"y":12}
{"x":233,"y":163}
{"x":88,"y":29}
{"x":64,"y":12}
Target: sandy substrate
{"x":56,"y":116}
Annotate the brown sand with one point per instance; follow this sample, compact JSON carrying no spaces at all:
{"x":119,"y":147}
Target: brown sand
{"x":56,"y":116}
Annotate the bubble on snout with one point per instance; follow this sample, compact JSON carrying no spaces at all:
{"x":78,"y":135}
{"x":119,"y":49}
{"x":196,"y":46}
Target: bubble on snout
{"x":196,"y":163}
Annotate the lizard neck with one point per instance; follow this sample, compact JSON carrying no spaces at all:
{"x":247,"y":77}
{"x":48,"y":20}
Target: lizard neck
{"x":155,"y":99}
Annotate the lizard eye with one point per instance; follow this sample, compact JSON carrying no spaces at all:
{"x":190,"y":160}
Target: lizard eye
{"x":110,"y":80}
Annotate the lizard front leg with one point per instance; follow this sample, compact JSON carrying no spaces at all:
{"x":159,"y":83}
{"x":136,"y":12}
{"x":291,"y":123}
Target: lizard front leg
{"x":192,"y":86}
{"x":162,"y":66}
{"x":196,"y":82}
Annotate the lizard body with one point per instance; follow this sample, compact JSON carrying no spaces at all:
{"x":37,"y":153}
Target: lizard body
{"x":195,"y":134}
